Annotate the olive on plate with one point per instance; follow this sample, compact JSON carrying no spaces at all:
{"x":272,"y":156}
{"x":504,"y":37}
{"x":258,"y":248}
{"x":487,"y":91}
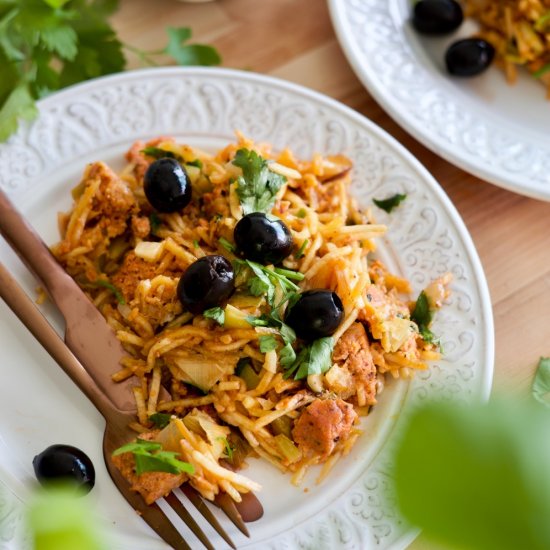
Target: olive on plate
{"x":167,"y":185}
{"x":263,"y":239}
{"x":437,"y":16}
{"x":206,"y":283}
{"x":316,"y":314}
{"x":60,"y":463}
{"x":469,"y":57}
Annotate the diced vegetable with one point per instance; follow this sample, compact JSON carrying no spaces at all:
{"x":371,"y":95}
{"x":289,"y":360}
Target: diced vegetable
{"x":246,"y":371}
{"x":235,"y":318}
{"x":290,"y":452}
{"x":282,"y":425}
{"x":149,"y":251}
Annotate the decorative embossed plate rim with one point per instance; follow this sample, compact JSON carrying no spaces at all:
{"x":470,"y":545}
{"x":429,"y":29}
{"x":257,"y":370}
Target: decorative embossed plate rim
{"x":494,"y":131}
{"x":98,"y":120}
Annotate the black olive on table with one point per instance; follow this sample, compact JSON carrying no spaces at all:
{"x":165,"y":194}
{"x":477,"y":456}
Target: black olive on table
{"x":59,"y":463}
{"x":437,"y":16}
{"x":263,"y":239}
{"x":206,"y":283}
{"x":167,"y":185}
{"x":469,"y":57}
{"x":316,"y":314}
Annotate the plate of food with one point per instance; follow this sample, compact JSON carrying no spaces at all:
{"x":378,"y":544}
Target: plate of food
{"x":492,"y":125}
{"x":299,"y":285}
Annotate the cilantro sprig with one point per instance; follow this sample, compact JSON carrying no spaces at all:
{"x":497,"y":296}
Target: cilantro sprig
{"x":315,"y":358}
{"x":422,"y":315}
{"x":258,"y":185}
{"x":390,"y":203}
{"x":46,"y":45}
{"x":150,"y":457}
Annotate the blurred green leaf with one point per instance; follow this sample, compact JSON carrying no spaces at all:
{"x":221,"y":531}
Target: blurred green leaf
{"x":189,"y":54}
{"x":59,"y":520}
{"x":477,"y":476}
{"x":18,"y":105}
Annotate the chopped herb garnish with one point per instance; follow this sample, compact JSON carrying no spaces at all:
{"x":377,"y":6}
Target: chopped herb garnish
{"x":215,"y":313}
{"x":267,"y":343}
{"x":150,"y":457}
{"x":160,"y":420}
{"x":390,"y":203}
{"x":196,"y":162}
{"x":226,"y":244}
{"x":287,"y":356}
{"x":154,"y":222}
{"x":258,"y":186}
{"x":158,"y":153}
{"x":228,"y":449}
{"x":289,"y":274}
{"x":110,"y":286}
{"x":315,"y":358}
{"x":195,"y":243}
{"x":422,"y":315}
{"x":542,"y":71}
{"x":300,"y":252}
{"x":301,"y":213}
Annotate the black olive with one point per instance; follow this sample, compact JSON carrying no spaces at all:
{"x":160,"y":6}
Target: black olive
{"x":206,"y":283}
{"x":437,"y":16}
{"x":316,"y":314}
{"x":167,"y":185}
{"x":263,"y":239}
{"x":469,"y":57}
{"x":64,"y":463}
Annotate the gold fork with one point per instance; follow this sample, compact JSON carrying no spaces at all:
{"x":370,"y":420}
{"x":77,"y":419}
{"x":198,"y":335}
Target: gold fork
{"x":95,"y":345}
{"x":117,"y":432}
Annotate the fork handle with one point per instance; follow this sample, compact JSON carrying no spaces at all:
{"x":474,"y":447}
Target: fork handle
{"x":32,"y":250}
{"x":23,"y":307}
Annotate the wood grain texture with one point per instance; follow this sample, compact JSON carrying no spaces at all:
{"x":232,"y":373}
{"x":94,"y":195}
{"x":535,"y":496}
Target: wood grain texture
{"x":294,"y":40}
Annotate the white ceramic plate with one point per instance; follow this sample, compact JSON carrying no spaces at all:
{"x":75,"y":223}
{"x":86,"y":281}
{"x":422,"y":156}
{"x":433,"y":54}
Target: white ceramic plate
{"x":495,"y":131}
{"x":99,"y":120}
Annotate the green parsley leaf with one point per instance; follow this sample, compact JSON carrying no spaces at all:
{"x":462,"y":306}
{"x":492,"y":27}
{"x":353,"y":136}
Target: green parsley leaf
{"x":301,"y":213}
{"x":287,"y":356}
{"x":390,"y":203}
{"x":215,"y":313}
{"x":541,"y":383}
{"x":189,"y":54}
{"x":196,"y":162}
{"x":160,"y":420}
{"x":226,"y":244}
{"x":315,"y":358}
{"x":289,"y":274}
{"x":228,"y":448}
{"x":150,"y":457}
{"x":195,"y":243}
{"x":18,"y":105}
{"x":267,"y":343}
{"x":158,"y":153}
{"x":258,"y":186}
{"x":138,"y":446}
{"x":61,"y":40}
{"x":154,"y":222}
{"x":422,"y":315}
{"x":259,"y":287}
{"x":300,"y":252}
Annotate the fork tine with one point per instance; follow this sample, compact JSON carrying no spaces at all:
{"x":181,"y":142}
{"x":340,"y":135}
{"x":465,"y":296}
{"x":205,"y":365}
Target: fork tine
{"x":226,"y":503}
{"x":151,"y":514}
{"x":207,"y":514}
{"x":182,"y":512}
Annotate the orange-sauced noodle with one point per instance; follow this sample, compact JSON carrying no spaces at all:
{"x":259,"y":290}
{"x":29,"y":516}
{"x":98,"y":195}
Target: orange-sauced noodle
{"x":520,"y":32}
{"x":230,"y":387}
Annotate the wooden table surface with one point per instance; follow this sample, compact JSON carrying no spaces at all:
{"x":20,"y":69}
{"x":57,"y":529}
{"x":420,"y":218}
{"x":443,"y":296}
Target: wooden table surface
{"x":294,"y":40}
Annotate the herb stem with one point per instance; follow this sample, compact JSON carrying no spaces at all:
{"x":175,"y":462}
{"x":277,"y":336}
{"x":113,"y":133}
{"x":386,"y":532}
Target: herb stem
{"x":143,"y":55}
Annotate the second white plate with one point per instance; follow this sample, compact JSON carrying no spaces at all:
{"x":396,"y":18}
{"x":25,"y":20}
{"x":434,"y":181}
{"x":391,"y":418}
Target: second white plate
{"x":482,"y":125}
